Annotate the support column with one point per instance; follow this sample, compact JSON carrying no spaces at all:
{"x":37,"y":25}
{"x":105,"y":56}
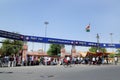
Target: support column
{"x":73,"y":51}
{"x":24,"y":54}
{"x":63,"y":52}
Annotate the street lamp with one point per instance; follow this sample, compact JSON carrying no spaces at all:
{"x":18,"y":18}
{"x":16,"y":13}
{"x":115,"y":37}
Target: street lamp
{"x":111,"y":34}
{"x":111,"y":38}
{"x":98,"y":47}
{"x":46,"y":23}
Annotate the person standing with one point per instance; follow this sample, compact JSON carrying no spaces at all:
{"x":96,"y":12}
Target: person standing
{"x":116,"y":60}
{"x":93,"y":60}
{"x":11,"y":61}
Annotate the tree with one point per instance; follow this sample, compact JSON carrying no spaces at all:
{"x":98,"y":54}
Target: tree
{"x":10,"y":47}
{"x":94,"y":49}
{"x":0,"y":51}
{"x":111,"y":55}
{"x":54,"y":49}
{"x":118,"y":52}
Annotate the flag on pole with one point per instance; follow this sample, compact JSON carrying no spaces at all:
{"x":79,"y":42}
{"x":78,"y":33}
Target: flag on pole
{"x":88,"y":28}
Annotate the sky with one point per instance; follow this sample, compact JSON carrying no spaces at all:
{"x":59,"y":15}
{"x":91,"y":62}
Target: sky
{"x":67,"y":19}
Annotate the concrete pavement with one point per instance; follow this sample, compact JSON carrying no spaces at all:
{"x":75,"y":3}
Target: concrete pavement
{"x":77,"y":72}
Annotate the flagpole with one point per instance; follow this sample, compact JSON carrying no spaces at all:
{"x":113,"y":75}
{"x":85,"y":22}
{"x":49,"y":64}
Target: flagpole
{"x":88,"y":30}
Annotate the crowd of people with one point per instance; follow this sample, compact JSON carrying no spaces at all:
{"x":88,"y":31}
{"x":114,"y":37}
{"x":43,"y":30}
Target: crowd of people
{"x":81,"y":60}
{"x":12,"y":61}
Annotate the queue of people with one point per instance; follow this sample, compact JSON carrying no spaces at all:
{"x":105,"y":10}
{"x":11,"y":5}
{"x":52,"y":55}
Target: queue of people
{"x":12,"y":61}
{"x":81,"y":60}
{"x":89,"y":60}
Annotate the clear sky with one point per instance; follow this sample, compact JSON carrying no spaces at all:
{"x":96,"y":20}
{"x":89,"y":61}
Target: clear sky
{"x":67,"y":19}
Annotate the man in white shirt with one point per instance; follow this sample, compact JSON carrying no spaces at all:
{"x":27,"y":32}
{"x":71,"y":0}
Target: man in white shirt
{"x":116,"y":60}
{"x":93,"y":60}
{"x":68,"y":59}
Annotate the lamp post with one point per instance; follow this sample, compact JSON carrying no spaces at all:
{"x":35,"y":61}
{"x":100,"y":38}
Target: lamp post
{"x":111,"y":34}
{"x":98,"y":47}
{"x":98,"y":50}
{"x":111,"y":37}
{"x":46,"y":23}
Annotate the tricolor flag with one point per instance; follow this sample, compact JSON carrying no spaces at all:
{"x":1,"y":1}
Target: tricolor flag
{"x":88,"y":28}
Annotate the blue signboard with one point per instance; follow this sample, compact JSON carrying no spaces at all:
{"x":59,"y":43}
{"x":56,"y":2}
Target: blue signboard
{"x":16,"y":36}
{"x":10,"y":35}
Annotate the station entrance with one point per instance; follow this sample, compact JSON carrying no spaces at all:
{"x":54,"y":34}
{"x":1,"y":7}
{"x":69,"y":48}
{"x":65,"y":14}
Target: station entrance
{"x":73,"y":43}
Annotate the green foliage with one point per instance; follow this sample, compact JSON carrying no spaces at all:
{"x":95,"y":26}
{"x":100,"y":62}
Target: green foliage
{"x":94,"y":49}
{"x":0,"y":51}
{"x":10,"y":47}
{"x":54,"y":49}
{"x":111,"y":55}
{"x":103,"y":50}
{"x":118,"y":52}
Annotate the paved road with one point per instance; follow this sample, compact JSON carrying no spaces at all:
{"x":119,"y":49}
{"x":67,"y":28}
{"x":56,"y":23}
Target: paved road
{"x":78,"y":72}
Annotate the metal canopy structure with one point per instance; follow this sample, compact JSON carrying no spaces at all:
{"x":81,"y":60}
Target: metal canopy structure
{"x":16,"y":36}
